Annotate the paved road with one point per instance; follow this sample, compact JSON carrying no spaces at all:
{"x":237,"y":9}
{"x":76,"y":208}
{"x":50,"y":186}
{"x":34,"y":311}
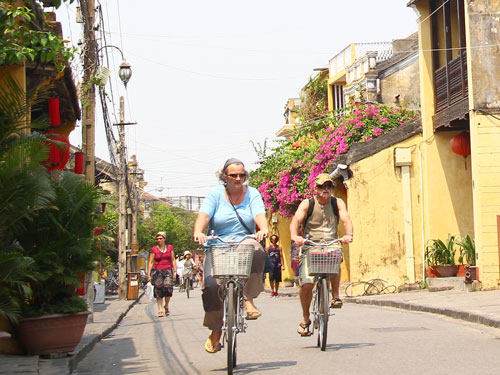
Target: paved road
{"x":363,"y":340}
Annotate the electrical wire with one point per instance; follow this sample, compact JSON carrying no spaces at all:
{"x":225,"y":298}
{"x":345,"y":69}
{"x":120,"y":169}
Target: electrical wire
{"x":371,"y":287}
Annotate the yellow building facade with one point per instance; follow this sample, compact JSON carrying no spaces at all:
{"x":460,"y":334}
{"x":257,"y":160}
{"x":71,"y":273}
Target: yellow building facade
{"x":457,"y":43}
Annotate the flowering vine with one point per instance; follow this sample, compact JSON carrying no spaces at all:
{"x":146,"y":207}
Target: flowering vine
{"x":286,"y":177}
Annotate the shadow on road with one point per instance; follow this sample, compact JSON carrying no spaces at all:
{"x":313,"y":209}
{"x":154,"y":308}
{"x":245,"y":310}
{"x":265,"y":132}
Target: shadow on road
{"x":259,"y":368}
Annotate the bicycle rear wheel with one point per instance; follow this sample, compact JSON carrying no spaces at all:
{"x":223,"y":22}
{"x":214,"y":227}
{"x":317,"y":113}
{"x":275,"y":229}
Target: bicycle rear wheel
{"x":188,"y":286}
{"x":323,"y":312}
{"x":230,"y":328}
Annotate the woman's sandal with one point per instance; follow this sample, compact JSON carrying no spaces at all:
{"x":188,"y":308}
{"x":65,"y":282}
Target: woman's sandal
{"x":167,"y":311}
{"x":160,"y":314}
{"x":210,"y":348}
{"x":253,"y":315}
{"x":305,"y":329}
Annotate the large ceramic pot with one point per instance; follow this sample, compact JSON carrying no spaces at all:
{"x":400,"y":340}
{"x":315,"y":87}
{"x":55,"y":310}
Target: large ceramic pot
{"x":56,"y":333}
{"x":447,"y":270}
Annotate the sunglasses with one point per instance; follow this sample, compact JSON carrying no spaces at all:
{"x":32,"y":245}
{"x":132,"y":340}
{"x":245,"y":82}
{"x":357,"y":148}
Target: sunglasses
{"x":325,"y":186}
{"x":236,"y":175}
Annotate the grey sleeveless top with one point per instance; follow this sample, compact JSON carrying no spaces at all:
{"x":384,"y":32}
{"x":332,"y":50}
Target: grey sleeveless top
{"x":322,"y":224}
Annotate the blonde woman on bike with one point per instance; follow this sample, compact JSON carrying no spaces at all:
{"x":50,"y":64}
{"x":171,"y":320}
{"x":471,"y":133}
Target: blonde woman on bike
{"x":232,"y":210}
{"x":320,"y":226}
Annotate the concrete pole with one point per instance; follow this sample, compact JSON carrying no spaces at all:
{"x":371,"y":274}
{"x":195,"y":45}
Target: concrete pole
{"x":122,"y":219}
{"x":88,"y":120}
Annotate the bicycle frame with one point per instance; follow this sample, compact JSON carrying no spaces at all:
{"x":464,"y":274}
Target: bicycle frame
{"x":231,"y":293}
{"x":321,"y":297}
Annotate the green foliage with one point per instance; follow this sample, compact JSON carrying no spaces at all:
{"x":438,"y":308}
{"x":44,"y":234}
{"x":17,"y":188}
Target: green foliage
{"x":467,"y":250}
{"x":314,"y":99}
{"x":15,"y":272}
{"x":24,"y":191}
{"x":61,"y":241}
{"x":20,"y":40}
{"x":176,"y":222}
{"x":438,"y":252}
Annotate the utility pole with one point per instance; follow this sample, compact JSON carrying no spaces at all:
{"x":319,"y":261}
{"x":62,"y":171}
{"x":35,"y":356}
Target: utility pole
{"x":122,"y":198}
{"x":88,"y":118}
{"x":134,"y":244}
{"x":88,"y":103}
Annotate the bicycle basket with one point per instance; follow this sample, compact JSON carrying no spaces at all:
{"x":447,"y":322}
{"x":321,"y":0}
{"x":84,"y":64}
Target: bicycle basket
{"x":324,"y":260}
{"x":231,"y":260}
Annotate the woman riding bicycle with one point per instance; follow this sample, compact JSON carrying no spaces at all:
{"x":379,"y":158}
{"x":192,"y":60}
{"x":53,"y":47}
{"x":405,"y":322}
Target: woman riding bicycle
{"x":231,"y":210}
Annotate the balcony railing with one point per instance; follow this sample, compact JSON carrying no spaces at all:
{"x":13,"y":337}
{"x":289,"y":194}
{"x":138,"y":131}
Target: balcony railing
{"x":450,"y":82}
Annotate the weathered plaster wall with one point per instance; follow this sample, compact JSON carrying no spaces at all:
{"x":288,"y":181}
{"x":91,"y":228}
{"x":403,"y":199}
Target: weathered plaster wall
{"x":484,"y":40}
{"x":483,"y":28}
{"x":402,"y":87}
{"x":375,"y":201}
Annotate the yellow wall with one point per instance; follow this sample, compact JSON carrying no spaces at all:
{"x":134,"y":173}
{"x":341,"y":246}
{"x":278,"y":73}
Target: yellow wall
{"x":375,"y":203}
{"x":456,"y":200}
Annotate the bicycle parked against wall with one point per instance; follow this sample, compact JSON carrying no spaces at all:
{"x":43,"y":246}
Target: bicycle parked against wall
{"x":323,"y":262}
{"x":231,"y":263}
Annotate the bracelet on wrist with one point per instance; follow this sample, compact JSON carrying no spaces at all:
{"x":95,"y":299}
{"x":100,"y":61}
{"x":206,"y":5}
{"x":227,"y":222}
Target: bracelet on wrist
{"x":350,"y":234}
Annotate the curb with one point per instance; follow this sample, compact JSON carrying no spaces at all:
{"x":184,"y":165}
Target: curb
{"x":80,"y":354}
{"x":449,"y":312}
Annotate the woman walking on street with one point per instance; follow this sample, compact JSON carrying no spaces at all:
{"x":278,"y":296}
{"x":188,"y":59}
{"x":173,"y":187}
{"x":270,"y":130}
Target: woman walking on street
{"x":161,"y":271}
{"x":276,"y":255}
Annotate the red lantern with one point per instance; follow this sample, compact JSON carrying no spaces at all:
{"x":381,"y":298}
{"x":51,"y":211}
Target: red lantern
{"x":80,"y":290}
{"x":54,"y":113}
{"x":460,"y":144}
{"x":58,"y":154}
{"x":78,"y":162}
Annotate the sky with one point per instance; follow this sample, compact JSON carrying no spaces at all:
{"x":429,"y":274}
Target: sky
{"x":209,"y":77}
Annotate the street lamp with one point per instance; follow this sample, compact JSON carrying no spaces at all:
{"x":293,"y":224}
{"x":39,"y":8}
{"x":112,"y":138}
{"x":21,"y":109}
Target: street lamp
{"x":125,"y":71}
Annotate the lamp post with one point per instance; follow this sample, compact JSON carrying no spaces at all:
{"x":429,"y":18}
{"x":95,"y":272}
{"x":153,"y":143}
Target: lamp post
{"x":125,"y":70}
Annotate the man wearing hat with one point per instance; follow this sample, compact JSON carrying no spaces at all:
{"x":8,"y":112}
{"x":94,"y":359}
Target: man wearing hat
{"x":319,"y":217}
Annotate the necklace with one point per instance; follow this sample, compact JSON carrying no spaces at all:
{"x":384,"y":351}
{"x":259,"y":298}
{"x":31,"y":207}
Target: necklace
{"x":163,"y":250}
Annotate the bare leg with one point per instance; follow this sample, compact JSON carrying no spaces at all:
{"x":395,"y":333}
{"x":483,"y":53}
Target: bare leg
{"x":159,"y":302}
{"x":305,"y":294}
{"x":335,"y":281}
{"x":167,"y":301}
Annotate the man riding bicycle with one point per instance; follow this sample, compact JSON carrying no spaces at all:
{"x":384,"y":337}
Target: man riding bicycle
{"x":320,"y":218}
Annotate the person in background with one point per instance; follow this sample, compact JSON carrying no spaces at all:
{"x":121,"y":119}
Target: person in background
{"x":218,"y":213}
{"x":180,"y":270}
{"x":188,"y":267}
{"x":161,"y":271}
{"x":277,"y":265}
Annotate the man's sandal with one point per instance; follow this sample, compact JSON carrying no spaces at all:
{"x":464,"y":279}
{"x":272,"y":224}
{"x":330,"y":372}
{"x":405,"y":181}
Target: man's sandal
{"x":210,"y":348}
{"x":336,"y":303}
{"x":252,"y":315}
{"x":305,"y":329}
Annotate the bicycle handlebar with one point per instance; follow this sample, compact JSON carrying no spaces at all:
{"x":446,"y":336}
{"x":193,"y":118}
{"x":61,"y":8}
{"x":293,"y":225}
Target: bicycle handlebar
{"x":213,"y":237}
{"x":332,"y":242}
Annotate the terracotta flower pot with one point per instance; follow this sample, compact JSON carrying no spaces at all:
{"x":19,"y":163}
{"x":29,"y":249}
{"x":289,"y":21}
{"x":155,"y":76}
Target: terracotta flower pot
{"x":56,"y":333}
{"x":432,"y":271}
{"x":447,"y":270}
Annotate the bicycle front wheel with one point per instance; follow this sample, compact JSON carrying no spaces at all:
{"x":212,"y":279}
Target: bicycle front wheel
{"x":230,"y":328}
{"x":188,"y":286}
{"x":323,"y":312}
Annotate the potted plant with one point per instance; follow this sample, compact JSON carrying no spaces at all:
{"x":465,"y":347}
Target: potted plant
{"x":46,"y":228}
{"x":61,"y":243}
{"x":467,"y":253}
{"x":440,"y":257}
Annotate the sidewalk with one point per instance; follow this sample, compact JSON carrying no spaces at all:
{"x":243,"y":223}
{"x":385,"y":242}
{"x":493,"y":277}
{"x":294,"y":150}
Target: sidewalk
{"x":477,"y":307}
{"x":107,"y":316}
